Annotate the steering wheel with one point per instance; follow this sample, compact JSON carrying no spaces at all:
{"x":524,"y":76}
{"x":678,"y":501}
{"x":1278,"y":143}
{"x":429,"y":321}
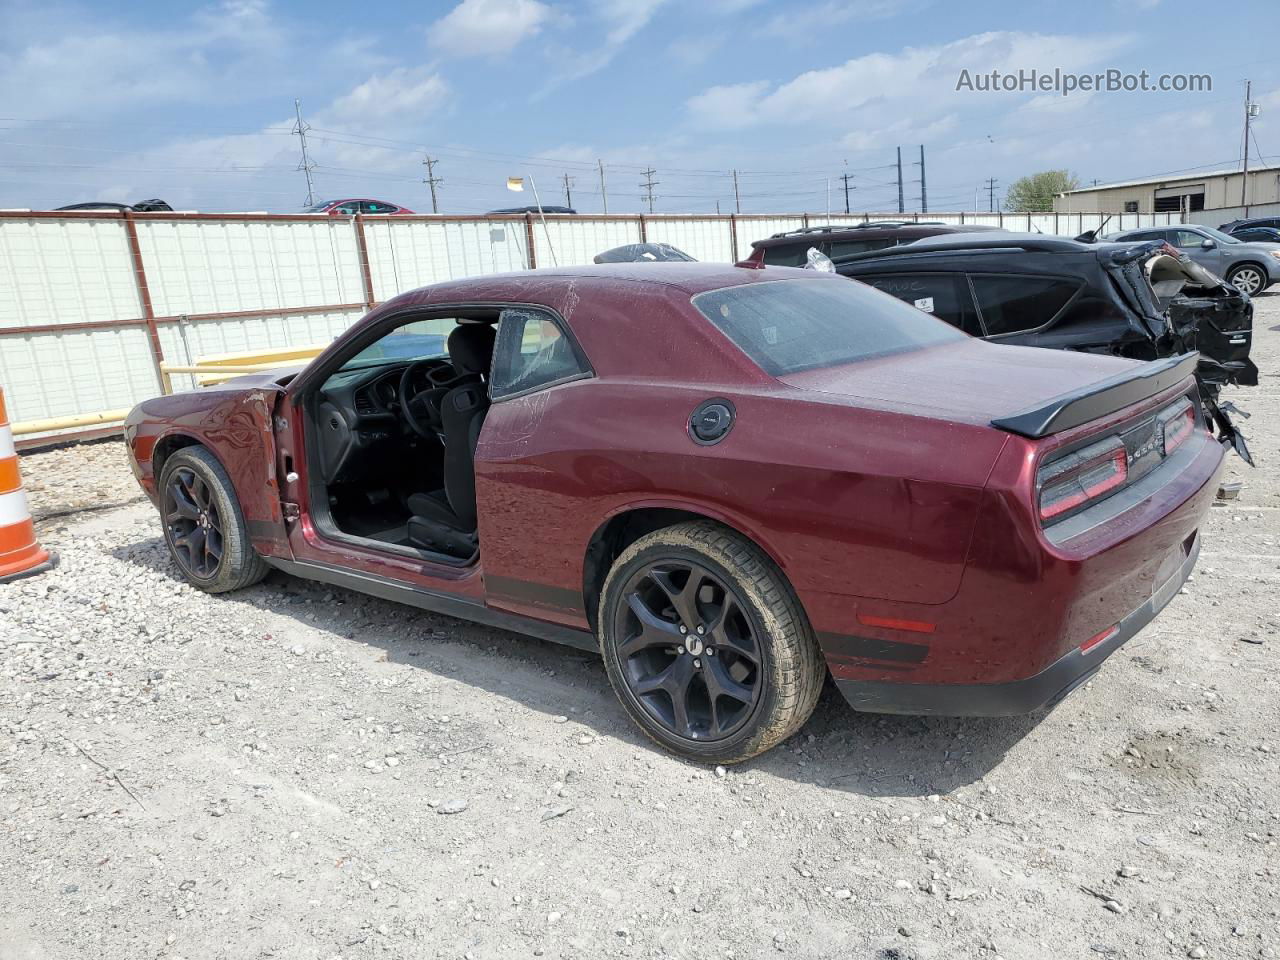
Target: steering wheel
{"x":421,"y":409}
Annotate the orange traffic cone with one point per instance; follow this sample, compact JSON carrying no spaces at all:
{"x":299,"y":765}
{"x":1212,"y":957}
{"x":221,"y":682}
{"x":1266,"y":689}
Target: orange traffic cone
{"x":20,"y":555}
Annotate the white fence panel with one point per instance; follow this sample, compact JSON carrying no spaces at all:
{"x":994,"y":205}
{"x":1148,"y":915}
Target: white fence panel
{"x":702,"y":239}
{"x":77,"y":371}
{"x":759,"y":228}
{"x":65,"y":271}
{"x":220,"y":266}
{"x":187,"y":341}
{"x":405,"y":254}
{"x":576,"y":241}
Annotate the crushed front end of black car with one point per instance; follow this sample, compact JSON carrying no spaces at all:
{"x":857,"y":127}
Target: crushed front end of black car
{"x":1143,"y":300}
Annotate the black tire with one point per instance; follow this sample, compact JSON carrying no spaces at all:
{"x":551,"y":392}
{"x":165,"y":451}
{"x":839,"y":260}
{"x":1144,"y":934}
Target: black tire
{"x":768,"y":652}
{"x":1249,"y":278}
{"x":198,"y":503}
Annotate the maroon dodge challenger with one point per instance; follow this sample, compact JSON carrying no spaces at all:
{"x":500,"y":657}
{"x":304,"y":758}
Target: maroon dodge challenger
{"x":731,"y":480}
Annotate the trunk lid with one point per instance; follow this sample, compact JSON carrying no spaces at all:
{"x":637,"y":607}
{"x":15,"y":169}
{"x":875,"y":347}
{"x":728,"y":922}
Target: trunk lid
{"x":969,"y":381}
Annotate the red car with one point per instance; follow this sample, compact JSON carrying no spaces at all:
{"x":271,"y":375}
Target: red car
{"x":730,"y":480}
{"x":347,"y":208}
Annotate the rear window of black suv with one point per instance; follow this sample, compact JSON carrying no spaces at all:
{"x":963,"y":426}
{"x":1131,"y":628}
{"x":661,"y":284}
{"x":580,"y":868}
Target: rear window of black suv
{"x":786,"y":326}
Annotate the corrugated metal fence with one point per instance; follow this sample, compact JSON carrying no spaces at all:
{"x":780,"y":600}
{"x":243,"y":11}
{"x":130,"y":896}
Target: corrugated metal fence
{"x":91,"y":303}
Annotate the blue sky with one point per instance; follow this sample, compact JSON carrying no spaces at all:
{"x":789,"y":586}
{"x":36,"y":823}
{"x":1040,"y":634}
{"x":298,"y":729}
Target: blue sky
{"x":193,"y":102}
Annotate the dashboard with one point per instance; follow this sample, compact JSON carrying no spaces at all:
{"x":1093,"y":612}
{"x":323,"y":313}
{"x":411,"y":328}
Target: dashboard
{"x":360,"y":409}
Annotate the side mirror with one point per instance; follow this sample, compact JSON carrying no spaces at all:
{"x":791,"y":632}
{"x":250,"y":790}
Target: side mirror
{"x":1208,"y":244}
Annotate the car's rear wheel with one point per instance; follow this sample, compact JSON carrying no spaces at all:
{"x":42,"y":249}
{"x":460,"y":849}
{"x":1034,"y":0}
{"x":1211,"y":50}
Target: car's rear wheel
{"x":203,"y":525}
{"x":1247,"y":279}
{"x":706,"y":644}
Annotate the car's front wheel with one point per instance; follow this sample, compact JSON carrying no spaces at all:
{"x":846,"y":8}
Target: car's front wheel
{"x":203,"y":526}
{"x":706,"y":644}
{"x":1247,"y":278}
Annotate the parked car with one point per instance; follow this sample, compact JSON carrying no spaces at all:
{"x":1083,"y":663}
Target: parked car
{"x":790,"y":249}
{"x":546,"y":209}
{"x":142,"y":206}
{"x":1141,"y":300}
{"x":347,"y":208}
{"x":643,"y":253}
{"x":1234,"y":225}
{"x":1252,"y":267}
{"x":729,"y":480}
{"x":1257,"y":234}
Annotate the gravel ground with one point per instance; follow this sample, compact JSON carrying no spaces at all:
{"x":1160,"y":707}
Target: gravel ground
{"x":300,"y":772}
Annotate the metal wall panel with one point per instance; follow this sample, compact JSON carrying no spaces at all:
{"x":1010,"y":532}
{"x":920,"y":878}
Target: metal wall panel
{"x":65,"y":271}
{"x":78,"y":371}
{"x":574,"y":241}
{"x":407,"y":254}
{"x":188,"y":341}
{"x":758,"y":228}
{"x":708,"y":240}
{"x":219,"y":266}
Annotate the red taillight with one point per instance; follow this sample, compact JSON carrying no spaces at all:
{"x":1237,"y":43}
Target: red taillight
{"x":1081,"y":477}
{"x":1178,"y":425}
{"x":1098,"y":638}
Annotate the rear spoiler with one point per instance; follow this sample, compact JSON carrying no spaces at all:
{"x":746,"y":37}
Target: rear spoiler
{"x":1101,"y":398}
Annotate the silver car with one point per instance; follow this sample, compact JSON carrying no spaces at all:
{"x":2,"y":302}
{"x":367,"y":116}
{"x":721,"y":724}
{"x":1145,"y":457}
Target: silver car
{"x":1249,"y":267}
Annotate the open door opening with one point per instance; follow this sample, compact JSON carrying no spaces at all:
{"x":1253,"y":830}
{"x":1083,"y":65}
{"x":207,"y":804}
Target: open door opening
{"x":391,"y":433}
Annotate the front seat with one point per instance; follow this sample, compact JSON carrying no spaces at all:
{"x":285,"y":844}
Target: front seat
{"x":446,"y":519}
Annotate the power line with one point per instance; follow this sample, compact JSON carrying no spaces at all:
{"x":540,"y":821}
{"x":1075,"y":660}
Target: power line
{"x":432,"y":181}
{"x":305,"y":165}
{"x":648,"y":185}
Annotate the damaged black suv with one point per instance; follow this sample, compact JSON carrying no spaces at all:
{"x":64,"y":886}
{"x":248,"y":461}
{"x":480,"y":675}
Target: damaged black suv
{"x":1141,"y":300}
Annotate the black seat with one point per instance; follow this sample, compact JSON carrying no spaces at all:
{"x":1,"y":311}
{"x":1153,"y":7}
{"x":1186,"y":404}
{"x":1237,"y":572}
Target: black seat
{"x":446,"y":519}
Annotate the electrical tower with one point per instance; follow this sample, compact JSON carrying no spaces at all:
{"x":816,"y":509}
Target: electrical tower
{"x":924,"y":193}
{"x":568,"y":183}
{"x":991,"y":194}
{"x":648,"y":185}
{"x":306,"y":166}
{"x":902,"y":208}
{"x":846,"y":177}
{"x":737,"y":199}
{"x":604,"y":193}
{"x":1250,"y":111}
{"x":432,"y":181}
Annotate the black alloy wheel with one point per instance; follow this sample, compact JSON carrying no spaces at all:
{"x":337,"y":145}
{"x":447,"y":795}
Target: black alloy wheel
{"x":687,"y":650}
{"x":193,"y":524}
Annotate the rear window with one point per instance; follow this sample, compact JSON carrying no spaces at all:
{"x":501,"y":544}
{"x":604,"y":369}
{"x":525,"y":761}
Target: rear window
{"x":789,"y":255}
{"x":790,"y":325}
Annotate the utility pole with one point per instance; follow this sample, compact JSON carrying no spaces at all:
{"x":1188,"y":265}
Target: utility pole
{"x":1250,"y":111}
{"x":737,"y":199}
{"x":901,"y":206}
{"x":649,"y":184}
{"x":991,"y":194}
{"x":846,"y":177}
{"x":431,"y":180}
{"x":924,"y":193}
{"x":568,"y":197}
{"x":306,"y":166}
{"x":604,"y":196}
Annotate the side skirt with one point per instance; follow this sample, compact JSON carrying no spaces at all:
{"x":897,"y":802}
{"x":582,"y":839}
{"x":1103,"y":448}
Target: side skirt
{"x":388,"y":589}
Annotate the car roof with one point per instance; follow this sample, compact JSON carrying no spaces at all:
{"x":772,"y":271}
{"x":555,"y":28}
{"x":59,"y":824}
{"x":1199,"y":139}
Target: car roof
{"x":924,"y":228}
{"x":994,"y":240}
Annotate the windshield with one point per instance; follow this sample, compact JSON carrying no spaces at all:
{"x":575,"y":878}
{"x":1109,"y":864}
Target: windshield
{"x":414,"y":341}
{"x":320,"y":207}
{"x":1219,"y":235}
{"x":790,"y":325}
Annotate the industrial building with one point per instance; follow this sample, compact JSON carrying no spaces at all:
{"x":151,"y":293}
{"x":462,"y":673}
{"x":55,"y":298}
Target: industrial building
{"x":1189,"y":194}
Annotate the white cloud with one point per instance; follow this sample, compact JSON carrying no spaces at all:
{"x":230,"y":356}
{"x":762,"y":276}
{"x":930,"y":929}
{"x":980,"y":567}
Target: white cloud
{"x":923,"y":77}
{"x":813,"y":21}
{"x":488,"y":27}
{"x":403,"y":94}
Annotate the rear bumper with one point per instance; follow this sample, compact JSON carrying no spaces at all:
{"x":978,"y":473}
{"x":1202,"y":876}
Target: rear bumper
{"x":1045,"y":689}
